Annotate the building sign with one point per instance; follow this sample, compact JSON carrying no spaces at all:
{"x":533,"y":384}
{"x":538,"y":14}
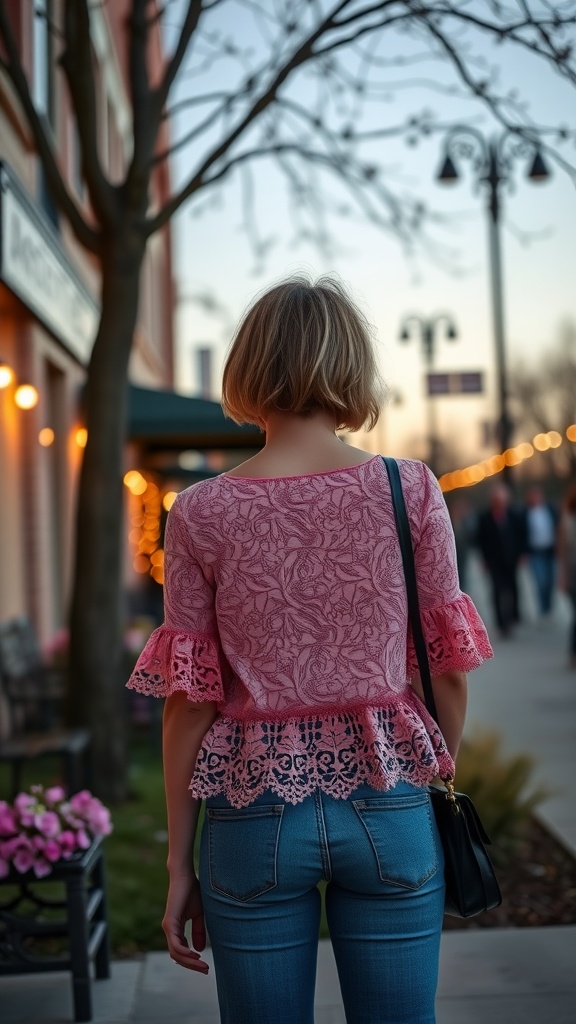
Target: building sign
{"x":467,"y":382}
{"x":35,"y":267}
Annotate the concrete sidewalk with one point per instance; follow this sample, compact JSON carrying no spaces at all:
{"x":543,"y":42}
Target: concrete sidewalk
{"x":516,"y":976}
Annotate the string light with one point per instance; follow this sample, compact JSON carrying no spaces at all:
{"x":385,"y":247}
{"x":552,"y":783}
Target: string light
{"x":471,"y":475}
{"x":81,"y":437}
{"x":6,"y":375}
{"x":26,"y":396}
{"x":46,"y":437}
{"x":146,"y":502}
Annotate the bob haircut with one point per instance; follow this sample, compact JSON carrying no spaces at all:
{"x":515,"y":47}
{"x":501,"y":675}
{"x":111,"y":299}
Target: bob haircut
{"x":303,"y":348}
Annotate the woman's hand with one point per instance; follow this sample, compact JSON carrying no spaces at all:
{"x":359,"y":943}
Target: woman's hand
{"x":183,"y":904}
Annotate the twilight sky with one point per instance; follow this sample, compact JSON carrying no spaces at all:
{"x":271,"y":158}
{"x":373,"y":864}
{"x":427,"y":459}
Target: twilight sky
{"x":213,"y":253}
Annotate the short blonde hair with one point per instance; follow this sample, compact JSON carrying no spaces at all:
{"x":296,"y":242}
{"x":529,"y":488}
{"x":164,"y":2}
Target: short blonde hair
{"x":303,"y":347}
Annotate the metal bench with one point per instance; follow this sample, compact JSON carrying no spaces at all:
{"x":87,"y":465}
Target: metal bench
{"x":84,"y":922}
{"x":31,"y":694}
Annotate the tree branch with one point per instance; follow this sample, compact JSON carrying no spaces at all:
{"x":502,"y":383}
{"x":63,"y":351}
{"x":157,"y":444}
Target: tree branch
{"x":84,"y":232}
{"x":145,"y":115}
{"x":77,"y":64}
{"x":189,"y":26}
{"x":303,"y":53}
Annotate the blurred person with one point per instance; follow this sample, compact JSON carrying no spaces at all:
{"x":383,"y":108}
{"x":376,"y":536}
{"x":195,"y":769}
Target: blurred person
{"x":293,"y":702}
{"x":567,"y":559}
{"x":500,"y":539}
{"x":540,"y":526}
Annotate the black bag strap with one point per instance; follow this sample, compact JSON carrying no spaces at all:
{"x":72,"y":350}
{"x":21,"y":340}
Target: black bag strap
{"x":414,"y":618}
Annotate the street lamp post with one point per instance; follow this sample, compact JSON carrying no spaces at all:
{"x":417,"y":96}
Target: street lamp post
{"x":427,"y":327}
{"x":492,"y":161}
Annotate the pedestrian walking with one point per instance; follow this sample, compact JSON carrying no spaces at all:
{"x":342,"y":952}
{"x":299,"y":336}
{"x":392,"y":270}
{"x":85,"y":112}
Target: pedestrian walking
{"x":500,"y":539}
{"x":540,"y":526}
{"x":567,"y":560}
{"x":293,"y":707}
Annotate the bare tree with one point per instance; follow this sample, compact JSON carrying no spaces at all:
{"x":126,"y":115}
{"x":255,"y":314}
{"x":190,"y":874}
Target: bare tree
{"x":544,"y":398}
{"x":296,"y":101}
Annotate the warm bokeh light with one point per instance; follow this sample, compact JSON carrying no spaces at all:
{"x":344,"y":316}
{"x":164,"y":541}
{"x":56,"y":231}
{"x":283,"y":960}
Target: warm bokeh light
{"x":158,"y":557}
{"x":525,"y":450}
{"x":511,"y":457}
{"x":46,"y":437}
{"x":6,"y":375}
{"x":141,"y":564}
{"x":170,"y":497}
{"x":26,"y":396}
{"x":541,"y":442}
{"x":554,"y":438}
{"x":571,"y":432}
{"x":135,"y":482}
{"x":81,"y":437}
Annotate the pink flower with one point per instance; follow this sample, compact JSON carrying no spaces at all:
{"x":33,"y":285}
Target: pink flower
{"x":81,"y":801}
{"x":9,"y":847}
{"x":42,"y":826}
{"x":67,"y":842}
{"x":48,"y":823}
{"x":54,"y":794}
{"x":98,"y":818}
{"x":23,"y":801}
{"x":7,"y":820}
{"x":26,"y":819}
{"x":41,"y":868}
{"x":83,"y":839}
{"x":52,"y":850}
{"x":23,"y":860}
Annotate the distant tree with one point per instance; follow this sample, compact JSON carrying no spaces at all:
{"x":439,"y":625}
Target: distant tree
{"x":310,"y":127}
{"x":544,"y":398}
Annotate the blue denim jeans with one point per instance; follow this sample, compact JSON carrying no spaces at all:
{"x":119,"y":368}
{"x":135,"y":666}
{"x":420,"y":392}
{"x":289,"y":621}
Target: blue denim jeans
{"x":543,"y":567}
{"x":381,"y":856}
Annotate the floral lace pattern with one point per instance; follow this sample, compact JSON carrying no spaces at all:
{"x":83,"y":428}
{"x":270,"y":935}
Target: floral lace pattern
{"x":336,"y":753}
{"x":174,"y":661}
{"x":455,"y":638}
{"x":285,"y":602}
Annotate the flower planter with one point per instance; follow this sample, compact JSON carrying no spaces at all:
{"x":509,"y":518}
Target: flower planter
{"x":83,"y":921}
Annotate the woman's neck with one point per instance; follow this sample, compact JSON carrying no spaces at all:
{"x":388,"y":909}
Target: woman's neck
{"x":297,"y":445}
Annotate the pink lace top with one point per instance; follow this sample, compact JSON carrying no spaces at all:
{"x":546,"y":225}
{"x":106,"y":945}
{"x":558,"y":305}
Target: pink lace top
{"x":285,"y":603}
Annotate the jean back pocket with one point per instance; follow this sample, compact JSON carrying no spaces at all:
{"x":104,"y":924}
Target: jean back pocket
{"x":400,"y":831}
{"x":242,"y":849}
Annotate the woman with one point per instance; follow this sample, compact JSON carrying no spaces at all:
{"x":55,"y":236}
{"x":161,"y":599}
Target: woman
{"x":567,"y":560}
{"x":292,"y":692}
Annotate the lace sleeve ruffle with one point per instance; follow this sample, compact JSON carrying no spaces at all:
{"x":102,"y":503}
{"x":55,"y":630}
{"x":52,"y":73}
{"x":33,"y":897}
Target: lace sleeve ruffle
{"x":455,"y":636}
{"x":174,"y":661}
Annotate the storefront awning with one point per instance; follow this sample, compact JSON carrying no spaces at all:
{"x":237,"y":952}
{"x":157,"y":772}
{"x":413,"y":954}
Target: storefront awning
{"x":163,"y":421}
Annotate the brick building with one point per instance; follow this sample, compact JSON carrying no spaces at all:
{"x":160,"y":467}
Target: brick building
{"x":49,"y":290}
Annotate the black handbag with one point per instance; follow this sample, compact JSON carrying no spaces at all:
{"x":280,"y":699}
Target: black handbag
{"x":471,"y":884}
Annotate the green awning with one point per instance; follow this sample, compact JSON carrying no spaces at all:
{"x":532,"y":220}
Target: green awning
{"x":166,"y":421}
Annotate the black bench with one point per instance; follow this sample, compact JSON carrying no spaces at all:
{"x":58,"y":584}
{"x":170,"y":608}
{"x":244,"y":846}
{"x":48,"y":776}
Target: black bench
{"x":31,"y":694}
{"x":84,"y":922}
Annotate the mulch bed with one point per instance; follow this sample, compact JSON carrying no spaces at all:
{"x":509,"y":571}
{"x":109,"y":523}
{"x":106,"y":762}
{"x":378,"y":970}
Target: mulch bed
{"x":538,"y":883}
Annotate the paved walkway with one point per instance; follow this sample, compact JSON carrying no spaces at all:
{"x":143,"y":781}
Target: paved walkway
{"x":515,"y":976}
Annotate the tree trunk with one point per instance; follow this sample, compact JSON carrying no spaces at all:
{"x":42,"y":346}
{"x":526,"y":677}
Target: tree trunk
{"x":95,"y":695}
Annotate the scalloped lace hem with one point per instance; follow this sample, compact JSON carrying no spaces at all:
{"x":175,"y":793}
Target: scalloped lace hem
{"x":173,"y":661}
{"x":335,"y":753}
{"x":455,"y":637}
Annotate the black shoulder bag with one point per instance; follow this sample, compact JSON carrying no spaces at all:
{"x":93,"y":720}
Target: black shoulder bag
{"x":471,"y":884}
